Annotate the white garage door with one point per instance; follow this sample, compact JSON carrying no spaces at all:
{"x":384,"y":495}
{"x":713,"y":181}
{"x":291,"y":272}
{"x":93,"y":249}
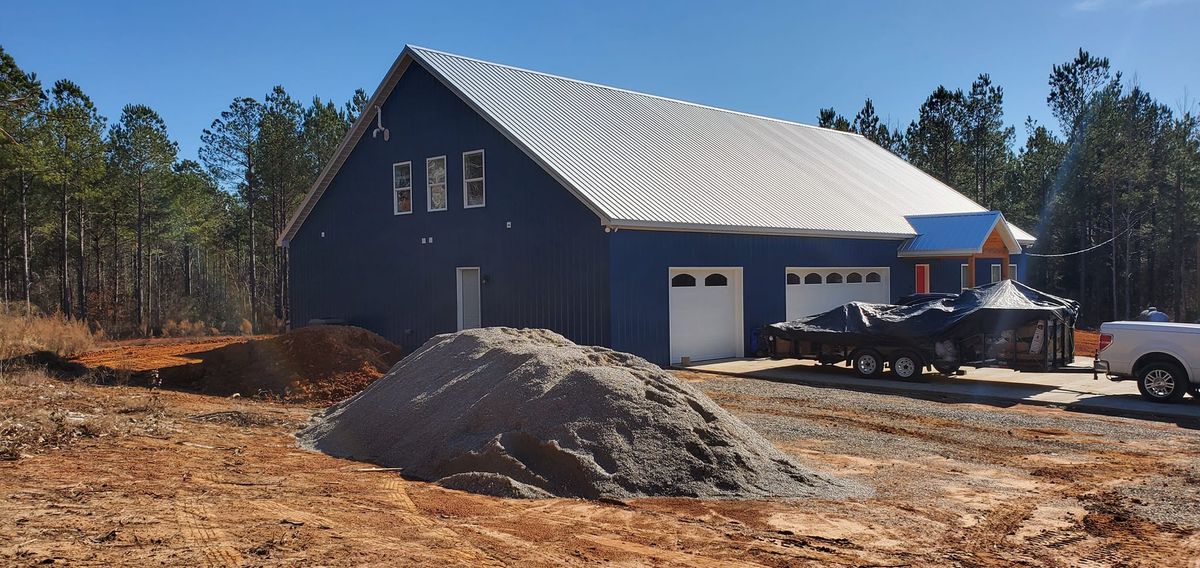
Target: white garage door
{"x":706,"y":313}
{"x":815,"y":290}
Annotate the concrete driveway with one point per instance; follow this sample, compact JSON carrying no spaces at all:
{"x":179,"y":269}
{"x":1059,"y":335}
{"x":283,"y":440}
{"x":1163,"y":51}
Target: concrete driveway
{"x":1070,"y":390}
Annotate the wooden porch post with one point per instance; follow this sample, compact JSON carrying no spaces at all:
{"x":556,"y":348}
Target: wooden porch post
{"x":971,"y":271}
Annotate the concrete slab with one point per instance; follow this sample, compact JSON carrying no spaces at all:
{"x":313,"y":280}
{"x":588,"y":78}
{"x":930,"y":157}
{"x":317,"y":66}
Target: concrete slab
{"x":1071,"y":390}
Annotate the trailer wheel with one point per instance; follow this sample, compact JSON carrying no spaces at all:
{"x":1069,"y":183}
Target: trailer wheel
{"x":1162,"y":382}
{"x":906,"y":366}
{"x":868,"y":363}
{"x":946,"y":368}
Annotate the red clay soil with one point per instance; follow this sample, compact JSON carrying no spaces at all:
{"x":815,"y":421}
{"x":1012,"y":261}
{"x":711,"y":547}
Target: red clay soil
{"x":320,"y":364}
{"x":1086,"y":342}
{"x":139,"y":355}
{"x":311,"y":364}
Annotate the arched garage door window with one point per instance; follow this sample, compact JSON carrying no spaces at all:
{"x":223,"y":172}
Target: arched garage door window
{"x":812,"y":278}
{"x":682,"y":280}
{"x":873,"y":277}
{"x":716,"y":280}
{"x":854,"y":278}
{"x":833,"y":278}
{"x":793,"y":278}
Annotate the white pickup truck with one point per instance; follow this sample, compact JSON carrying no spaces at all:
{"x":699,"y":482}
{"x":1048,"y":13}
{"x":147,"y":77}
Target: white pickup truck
{"x":1163,"y":357}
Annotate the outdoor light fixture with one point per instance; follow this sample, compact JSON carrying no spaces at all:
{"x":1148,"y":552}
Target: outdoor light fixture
{"x":379,"y":125}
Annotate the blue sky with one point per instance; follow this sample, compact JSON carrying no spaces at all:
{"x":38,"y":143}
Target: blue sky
{"x":783,"y":59}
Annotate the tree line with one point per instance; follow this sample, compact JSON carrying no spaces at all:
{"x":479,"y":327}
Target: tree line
{"x":1113,"y":198}
{"x":104,"y":222}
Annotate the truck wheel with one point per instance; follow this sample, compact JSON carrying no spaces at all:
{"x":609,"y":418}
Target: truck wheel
{"x":906,"y":366}
{"x":1162,"y":382}
{"x":868,"y":363}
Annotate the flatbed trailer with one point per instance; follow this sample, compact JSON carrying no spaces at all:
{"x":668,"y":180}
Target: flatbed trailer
{"x":1005,"y":325}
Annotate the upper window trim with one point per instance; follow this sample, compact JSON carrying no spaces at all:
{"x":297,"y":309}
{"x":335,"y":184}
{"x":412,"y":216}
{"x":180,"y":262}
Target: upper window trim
{"x":482,"y":179}
{"x":429,"y":186}
{"x":395,"y":209}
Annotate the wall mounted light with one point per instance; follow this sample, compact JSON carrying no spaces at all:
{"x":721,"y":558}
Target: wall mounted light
{"x":379,"y":125}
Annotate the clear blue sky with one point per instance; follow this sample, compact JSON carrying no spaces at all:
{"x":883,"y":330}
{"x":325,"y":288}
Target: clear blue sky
{"x":783,"y":59}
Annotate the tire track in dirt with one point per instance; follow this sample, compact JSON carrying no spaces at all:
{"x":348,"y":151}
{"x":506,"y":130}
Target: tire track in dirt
{"x":671,"y":557}
{"x":394,"y":492}
{"x":206,"y":539}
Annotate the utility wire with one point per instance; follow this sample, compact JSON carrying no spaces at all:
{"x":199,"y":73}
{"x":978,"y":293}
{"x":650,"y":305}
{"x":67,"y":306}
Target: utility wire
{"x":1093,"y":247}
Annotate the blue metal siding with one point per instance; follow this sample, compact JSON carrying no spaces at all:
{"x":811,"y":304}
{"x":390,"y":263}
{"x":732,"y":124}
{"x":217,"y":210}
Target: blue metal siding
{"x":549,"y":270}
{"x":983,"y":270}
{"x":640,"y":261}
{"x":945,"y":275}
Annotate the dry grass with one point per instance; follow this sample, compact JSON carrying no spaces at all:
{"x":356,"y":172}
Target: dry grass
{"x":21,"y":335}
{"x":39,"y":414}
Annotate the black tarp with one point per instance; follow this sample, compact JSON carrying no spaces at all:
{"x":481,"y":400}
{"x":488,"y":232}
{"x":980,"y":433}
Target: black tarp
{"x":985,"y":309}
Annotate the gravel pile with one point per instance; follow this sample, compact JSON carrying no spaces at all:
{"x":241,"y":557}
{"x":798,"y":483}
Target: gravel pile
{"x":527,"y":413}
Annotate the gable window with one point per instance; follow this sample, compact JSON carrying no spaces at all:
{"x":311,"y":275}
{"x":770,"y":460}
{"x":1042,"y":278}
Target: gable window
{"x":997,"y":272}
{"x":435,"y":183}
{"x":402,"y":188}
{"x":964,"y":276}
{"x":473,"y":187}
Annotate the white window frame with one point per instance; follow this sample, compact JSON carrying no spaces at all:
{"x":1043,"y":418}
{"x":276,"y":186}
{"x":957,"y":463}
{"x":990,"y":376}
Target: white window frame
{"x":964,"y":275}
{"x":482,"y":179}
{"x":996,"y":272}
{"x":429,"y":185}
{"x":1012,"y":272}
{"x":395,"y":203}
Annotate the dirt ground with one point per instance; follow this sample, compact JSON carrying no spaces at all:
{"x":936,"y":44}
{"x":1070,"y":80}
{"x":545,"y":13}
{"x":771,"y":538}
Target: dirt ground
{"x":123,"y":475}
{"x":1086,"y":342}
{"x":150,"y":354}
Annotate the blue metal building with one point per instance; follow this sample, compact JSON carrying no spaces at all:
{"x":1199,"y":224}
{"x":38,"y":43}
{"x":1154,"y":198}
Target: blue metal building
{"x":471,"y":193}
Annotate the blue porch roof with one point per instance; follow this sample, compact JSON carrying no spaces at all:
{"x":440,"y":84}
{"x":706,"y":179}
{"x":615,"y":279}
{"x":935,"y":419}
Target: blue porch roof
{"x":956,"y":234}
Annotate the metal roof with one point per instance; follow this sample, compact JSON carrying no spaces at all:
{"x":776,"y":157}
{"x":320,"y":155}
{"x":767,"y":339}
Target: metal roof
{"x":956,"y":234}
{"x":643,"y":161}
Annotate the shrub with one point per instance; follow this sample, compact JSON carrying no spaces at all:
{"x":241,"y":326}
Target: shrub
{"x":21,"y":335}
{"x":246,"y":328}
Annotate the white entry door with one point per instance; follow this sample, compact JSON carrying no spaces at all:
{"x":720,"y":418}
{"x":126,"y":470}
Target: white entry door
{"x":706,"y":313}
{"x":468,"y":298}
{"x":815,"y":290}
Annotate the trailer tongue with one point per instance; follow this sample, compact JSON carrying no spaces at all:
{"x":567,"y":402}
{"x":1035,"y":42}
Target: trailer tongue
{"x":1005,"y":324}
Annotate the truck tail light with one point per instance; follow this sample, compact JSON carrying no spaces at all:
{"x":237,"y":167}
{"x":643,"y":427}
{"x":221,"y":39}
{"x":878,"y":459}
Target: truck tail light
{"x":1105,"y":341}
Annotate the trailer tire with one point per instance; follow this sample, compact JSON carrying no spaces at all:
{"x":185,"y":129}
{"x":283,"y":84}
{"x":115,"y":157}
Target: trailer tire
{"x":1162,"y":382}
{"x":948,"y":369}
{"x":907,"y":366}
{"x":867,"y":363}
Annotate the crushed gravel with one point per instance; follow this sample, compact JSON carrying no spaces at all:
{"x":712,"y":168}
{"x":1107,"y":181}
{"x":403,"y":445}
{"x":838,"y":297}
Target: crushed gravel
{"x":568,"y":420}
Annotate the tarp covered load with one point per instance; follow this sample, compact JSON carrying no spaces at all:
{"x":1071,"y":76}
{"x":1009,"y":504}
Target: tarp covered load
{"x":983,"y":310}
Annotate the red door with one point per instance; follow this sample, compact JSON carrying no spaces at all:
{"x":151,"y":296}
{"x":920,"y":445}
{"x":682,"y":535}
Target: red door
{"x":922,"y":279}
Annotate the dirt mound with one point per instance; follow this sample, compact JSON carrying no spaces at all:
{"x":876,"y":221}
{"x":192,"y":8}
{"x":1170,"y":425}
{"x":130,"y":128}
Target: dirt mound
{"x":569,"y":420}
{"x":311,"y":364}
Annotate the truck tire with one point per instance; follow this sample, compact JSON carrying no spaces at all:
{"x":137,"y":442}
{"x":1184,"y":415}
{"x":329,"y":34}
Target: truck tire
{"x":1162,"y":382}
{"x":867,"y":363}
{"x":907,"y":366}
